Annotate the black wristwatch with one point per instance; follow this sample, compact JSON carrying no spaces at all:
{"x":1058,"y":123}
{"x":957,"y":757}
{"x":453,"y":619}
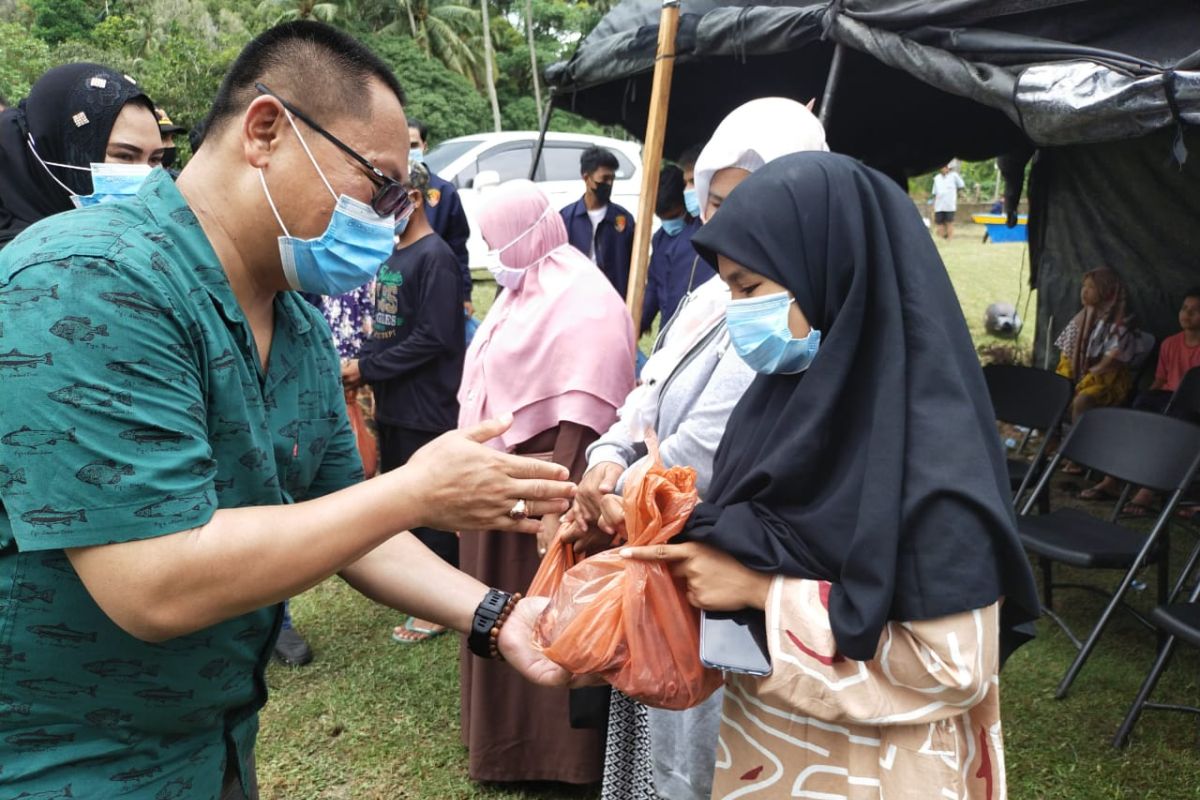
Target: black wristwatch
{"x":490,"y":615}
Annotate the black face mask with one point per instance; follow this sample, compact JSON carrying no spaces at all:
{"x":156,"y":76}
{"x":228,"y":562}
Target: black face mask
{"x":603,"y":192}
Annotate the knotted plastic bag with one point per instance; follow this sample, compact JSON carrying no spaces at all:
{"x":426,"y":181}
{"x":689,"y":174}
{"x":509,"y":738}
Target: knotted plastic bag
{"x":629,"y":621}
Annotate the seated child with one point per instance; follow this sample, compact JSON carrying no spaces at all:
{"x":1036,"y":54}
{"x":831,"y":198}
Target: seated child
{"x":1178,"y":354}
{"x":1098,"y":345}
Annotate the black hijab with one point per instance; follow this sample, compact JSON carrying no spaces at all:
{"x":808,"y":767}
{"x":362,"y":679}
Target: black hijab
{"x":879,"y":469}
{"x":70,"y":113}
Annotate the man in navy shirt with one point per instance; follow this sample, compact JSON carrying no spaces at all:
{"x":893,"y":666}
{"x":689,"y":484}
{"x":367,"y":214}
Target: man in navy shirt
{"x":602,"y":230}
{"x":443,"y":208}
{"x":675,"y":268}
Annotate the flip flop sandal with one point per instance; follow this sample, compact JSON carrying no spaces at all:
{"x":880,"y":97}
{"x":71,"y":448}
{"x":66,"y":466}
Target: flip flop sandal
{"x":423,"y":634}
{"x":1133,"y":509}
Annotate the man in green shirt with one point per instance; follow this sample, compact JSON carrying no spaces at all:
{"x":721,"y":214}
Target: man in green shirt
{"x":175,"y":457}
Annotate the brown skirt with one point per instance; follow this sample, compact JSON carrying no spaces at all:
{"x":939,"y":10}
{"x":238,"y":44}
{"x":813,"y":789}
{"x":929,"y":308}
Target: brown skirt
{"x":516,"y":731}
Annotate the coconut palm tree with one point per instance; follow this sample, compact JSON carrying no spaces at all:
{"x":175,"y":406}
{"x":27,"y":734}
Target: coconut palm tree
{"x":489,"y":62}
{"x":533,"y":65}
{"x":447,"y":30}
{"x":299,"y":9}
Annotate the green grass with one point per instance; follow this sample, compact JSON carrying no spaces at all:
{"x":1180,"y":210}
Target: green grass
{"x":373,"y":719}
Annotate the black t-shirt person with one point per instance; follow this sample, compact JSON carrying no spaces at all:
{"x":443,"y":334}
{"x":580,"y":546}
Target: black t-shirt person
{"x":414,"y":358}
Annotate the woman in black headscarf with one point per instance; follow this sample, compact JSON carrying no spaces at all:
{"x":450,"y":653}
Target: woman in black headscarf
{"x":859,"y":497}
{"x":75,"y":115}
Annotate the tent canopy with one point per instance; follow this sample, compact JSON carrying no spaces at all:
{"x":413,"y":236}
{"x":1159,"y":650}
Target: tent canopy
{"x":924,"y":81}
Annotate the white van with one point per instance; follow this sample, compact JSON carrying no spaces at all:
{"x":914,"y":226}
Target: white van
{"x":477,"y":163}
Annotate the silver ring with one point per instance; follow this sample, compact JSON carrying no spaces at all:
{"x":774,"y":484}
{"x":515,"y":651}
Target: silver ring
{"x":518,"y":510}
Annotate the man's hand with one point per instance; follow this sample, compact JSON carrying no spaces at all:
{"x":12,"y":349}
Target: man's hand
{"x":469,"y":307}
{"x":597,"y":482}
{"x":716,"y":581}
{"x":466,"y":486}
{"x":351,"y":377}
{"x":516,"y":645}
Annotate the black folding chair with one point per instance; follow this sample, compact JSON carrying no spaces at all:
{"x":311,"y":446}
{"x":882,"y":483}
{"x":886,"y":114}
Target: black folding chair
{"x":1137,"y":447}
{"x":1181,"y":622}
{"x":1034,"y":399}
{"x":1185,"y":402}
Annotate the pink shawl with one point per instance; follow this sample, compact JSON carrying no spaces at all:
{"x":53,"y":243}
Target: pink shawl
{"x":559,"y":347}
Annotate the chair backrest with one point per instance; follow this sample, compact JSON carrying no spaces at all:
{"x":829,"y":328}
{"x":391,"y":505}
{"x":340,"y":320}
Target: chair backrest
{"x":1185,"y":402}
{"x":1032,"y":398}
{"x":1139,"y":447}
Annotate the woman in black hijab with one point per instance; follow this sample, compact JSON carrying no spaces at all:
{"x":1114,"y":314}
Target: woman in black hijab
{"x":75,"y":115}
{"x":859,"y":497}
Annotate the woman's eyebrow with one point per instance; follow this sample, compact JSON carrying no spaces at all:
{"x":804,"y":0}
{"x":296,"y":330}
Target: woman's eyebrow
{"x":132,"y":149}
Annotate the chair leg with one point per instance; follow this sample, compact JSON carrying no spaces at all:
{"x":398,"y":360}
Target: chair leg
{"x":1164,"y":589}
{"x":1143,"y":695}
{"x":1073,"y":671}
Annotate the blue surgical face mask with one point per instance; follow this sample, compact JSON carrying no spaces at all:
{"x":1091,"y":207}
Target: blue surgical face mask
{"x":758,"y":328}
{"x":416,"y":156}
{"x":113,"y":182}
{"x":109,"y":181}
{"x":691,"y":201}
{"x":347,"y":255}
{"x":673,"y":227}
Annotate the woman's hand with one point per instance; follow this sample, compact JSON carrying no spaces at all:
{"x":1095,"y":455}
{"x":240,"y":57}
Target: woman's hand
{"x":547,"y":532}
{"x":598,"y":482}
{"x":716,"y":581}
{"x":585,"y":538}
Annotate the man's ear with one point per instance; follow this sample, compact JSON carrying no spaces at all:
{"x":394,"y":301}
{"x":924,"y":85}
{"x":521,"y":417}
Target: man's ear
{"x":262,"y":130}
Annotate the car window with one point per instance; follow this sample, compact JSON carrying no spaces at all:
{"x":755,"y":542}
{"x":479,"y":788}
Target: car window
{"x":440,"y":156}
{"x":561,"y":163}
{"x":511,"y":162}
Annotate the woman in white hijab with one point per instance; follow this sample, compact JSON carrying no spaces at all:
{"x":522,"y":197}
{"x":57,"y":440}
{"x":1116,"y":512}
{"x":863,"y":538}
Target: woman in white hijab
{"x":689,"y":388}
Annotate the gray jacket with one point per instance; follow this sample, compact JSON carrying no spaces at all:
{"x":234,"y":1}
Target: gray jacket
{"x":694,"y":407}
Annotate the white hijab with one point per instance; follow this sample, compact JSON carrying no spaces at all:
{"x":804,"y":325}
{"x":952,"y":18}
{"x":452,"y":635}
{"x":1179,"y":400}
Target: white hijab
{"x":754,"y":133}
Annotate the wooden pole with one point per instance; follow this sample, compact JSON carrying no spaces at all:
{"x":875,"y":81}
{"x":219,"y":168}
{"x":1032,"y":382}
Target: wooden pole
{"x":656,"y":130}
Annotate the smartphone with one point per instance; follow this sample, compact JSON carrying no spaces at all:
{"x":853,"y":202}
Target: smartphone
{"x":735,"y":641}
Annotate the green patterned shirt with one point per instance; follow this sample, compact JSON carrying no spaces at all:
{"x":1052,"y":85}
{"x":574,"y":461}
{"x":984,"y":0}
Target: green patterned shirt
{"x":133,"y":405}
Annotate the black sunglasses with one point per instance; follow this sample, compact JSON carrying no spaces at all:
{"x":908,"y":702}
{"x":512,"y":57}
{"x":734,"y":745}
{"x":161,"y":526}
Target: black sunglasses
{"x":391,"y":197}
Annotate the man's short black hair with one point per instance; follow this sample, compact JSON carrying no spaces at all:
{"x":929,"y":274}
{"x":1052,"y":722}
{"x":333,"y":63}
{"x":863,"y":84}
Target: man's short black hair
{"x":596,"y":157}
{"x":319,"y":68}
{"x":689,"y":157}
{"x":422,"y":128}
{"x":1193,"y":292}
{"x":670,"y":190}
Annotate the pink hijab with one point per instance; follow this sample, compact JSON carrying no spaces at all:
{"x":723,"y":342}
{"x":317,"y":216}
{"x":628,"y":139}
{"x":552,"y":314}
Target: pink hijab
{"x":557,"y":348}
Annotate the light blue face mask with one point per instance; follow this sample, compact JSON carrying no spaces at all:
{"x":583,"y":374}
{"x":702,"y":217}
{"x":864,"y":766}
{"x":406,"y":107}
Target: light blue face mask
{"x":673,"y":227}
{"x":758,"y":328}
{"x":416,"y":156}
{"x":113,"y":182}
{"x":347,"y":255}
{"x":691,"y":201}
{"x":109,"y":181}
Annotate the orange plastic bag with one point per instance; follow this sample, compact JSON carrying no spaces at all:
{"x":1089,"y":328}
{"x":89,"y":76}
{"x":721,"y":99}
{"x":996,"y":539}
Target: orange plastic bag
{"x":368,"y":450}
{"x":624,"y":620}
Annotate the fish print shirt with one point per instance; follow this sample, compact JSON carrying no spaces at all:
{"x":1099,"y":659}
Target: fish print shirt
{"x":133,"y":405}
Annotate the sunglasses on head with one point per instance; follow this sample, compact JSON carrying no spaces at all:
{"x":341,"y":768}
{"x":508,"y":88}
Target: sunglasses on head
{"x":391,"y":198}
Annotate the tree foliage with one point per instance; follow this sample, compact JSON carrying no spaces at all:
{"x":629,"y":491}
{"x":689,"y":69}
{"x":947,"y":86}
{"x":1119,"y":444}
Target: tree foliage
{"x":178,"y":50}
